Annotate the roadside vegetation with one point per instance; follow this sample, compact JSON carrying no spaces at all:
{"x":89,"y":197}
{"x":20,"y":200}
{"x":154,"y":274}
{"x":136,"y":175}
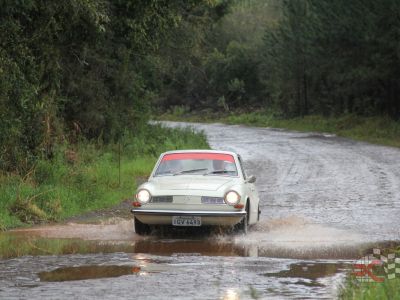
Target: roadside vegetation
{"x":86,"y":176}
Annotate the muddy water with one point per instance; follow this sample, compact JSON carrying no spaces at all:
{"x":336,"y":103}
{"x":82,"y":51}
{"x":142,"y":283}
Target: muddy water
{"x":199,"y":266}
{"x":325,"y":202}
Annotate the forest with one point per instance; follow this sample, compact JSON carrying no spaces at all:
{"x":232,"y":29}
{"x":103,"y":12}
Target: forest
{"x":96,"y":68}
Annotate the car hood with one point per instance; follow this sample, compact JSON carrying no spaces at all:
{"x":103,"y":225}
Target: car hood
{"x":183,"y":182}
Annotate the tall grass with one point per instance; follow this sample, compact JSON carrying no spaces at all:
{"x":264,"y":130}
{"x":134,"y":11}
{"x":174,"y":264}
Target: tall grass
{"x":87,"y":176}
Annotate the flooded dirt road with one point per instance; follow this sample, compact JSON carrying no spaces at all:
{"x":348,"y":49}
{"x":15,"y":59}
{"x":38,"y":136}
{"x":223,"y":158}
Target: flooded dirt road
{"x":325,"y":202}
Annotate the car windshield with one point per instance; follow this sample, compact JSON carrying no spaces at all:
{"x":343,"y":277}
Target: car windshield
{"x":197,"y":164}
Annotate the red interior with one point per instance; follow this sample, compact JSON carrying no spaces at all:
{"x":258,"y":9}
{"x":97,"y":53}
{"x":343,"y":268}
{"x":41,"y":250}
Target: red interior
{"x":205,"y":156}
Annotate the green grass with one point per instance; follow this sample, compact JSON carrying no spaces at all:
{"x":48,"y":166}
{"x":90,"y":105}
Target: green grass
{"x":377,"y":130}
{"x":85,"y":176}
{"x":388,"y":289}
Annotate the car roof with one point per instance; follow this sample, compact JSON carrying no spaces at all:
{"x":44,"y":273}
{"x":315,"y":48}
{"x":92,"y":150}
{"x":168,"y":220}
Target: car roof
{"x":200,"y":151}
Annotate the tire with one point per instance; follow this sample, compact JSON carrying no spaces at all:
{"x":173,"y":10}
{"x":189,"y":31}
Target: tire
{"x":243,"y":226}
{"x":141,"y":228}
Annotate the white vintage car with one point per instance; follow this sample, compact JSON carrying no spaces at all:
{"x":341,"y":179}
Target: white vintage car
{"x":197,"y":188}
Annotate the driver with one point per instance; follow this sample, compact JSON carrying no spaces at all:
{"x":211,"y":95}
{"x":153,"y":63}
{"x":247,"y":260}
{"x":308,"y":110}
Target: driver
{"x":218,"y":165}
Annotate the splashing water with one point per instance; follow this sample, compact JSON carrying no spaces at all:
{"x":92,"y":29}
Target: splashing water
{"x":296,"y":237}
{"x":109,"y":229}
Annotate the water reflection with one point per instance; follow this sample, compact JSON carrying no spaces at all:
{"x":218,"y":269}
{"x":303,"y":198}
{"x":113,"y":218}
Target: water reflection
{"x":231,"y":294}
{"x":309,"y":272}
{"x":189,"y":247}
{"x":17,"y":244}
{"x":232,"y":246}
{"x":87,"y":272}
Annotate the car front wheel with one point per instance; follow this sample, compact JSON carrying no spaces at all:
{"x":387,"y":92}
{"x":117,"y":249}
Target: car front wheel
{"x":141,"y":228}
{"x":242,"y":227}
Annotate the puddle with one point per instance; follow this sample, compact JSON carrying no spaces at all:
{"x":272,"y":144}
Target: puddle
{"x":310,"y":273}
{"x":281,"y":238}
{"x":117,"y":275}
{"x":287,"y":257}
{"x":87,"y":272}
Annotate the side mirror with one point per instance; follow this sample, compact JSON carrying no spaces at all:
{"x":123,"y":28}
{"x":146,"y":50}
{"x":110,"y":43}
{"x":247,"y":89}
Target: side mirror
{"x":251,"y":179}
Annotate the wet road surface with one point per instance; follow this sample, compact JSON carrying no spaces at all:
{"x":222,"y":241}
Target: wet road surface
{"x":325,"y":202}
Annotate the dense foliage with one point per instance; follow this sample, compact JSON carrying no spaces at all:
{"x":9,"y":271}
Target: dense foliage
{"x":335,"y":57}
{"x":77,"y":68}
{"x":293,"y":58}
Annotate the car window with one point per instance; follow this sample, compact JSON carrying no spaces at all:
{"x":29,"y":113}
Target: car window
{"x":197,"y":164}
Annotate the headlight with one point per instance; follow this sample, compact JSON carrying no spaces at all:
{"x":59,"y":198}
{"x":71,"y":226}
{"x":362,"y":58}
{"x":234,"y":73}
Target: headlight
{"x":232,"y":198}
{"x":143,"y":196}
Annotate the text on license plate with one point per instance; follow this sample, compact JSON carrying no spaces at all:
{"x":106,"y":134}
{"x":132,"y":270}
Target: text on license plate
{"x":186,"y":221}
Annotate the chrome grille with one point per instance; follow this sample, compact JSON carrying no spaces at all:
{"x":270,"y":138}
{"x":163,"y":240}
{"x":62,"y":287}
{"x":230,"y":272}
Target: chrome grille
{"x":212,"y":200}
{"x":161,"y":199}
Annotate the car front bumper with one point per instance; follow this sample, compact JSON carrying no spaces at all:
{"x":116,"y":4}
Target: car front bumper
{"x":164,"y":217}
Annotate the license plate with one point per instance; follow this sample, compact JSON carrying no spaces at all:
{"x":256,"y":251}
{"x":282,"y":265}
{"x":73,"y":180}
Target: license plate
{"x":186,"y":221}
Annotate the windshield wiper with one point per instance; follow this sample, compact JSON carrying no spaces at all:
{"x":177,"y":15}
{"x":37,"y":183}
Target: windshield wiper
{"x":217,"y":172}
{"x":190,"y":171}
